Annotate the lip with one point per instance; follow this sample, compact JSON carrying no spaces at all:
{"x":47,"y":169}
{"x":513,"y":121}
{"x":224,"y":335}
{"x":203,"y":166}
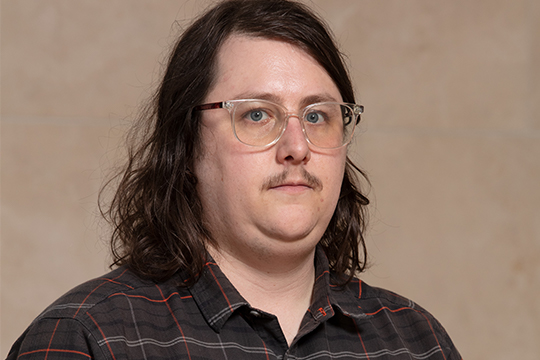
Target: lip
{"x":292,"y":187}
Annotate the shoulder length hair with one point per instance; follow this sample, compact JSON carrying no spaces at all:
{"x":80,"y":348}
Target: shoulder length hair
{"x":156,"y":212}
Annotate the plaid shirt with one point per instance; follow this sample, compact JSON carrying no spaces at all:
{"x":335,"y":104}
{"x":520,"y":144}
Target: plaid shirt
{"x":121,"y":316}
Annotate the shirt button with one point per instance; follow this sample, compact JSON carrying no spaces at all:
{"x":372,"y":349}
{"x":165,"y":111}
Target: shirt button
{"x":255,"y":313}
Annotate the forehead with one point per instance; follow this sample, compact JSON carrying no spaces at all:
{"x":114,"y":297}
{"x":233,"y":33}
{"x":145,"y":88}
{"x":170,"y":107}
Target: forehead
{"x":253,"y":67}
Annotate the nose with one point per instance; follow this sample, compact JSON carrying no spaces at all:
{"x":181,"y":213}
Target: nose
{"x":293,"y":147}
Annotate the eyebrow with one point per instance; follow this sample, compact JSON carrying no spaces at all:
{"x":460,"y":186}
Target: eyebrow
{"x":308,"y":100}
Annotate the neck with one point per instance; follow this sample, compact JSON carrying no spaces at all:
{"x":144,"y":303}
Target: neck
{"x":282,"y":291}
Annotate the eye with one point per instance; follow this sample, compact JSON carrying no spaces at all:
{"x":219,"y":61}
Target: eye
{"x":257,"y":115}
{"x":314,"y":117}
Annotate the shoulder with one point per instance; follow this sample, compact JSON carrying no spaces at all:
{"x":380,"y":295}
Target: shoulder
{"x":96,"y":292}
{"x":75,"y":324}
{"x":391,"y":315}
{"x":114,"y":298}
{"x":376,"y":297}
{"x":371,"y":299}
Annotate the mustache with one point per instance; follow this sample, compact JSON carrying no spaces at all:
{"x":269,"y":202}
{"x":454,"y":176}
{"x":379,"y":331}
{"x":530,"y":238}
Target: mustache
{"x":278,"y":179}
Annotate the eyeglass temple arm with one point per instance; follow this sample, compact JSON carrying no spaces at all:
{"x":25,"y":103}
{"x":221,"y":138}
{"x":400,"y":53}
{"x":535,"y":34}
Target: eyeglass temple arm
{"x":216,"y":105}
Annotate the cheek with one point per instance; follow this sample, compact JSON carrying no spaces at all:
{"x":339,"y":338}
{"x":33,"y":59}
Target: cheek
{"x":241,"y":176}
{"x":332,"y":168}
{"x":225,"y":175}
{"x":333,"y":178}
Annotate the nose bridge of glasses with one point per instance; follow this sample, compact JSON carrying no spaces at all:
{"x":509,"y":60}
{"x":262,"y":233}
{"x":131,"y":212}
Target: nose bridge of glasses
{"x":289,"y":115}
{"x":285,"y":128}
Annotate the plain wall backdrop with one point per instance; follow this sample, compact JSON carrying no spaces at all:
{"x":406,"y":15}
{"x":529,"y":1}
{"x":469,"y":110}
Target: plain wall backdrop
{"x":450,"y":140}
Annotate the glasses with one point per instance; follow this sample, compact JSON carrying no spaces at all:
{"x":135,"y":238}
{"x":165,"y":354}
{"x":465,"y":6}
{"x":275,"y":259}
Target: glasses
{"x":327,"y":125}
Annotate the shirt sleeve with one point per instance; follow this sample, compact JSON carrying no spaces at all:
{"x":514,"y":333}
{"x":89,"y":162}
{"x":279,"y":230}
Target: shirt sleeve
{"x":52,"y":338}
{"x":446,"y":343}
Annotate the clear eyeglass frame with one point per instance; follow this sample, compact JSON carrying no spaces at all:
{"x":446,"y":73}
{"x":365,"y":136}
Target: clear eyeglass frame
{"x":314,"y":133}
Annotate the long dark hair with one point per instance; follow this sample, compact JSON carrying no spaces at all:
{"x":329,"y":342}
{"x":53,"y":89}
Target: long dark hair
{"x":156,"y":212}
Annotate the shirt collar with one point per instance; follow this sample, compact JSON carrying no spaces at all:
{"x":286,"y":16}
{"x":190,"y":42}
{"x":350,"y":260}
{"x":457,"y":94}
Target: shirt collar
{"x":329,"y":296}
{"x":215,"y":296}
{"x":218,"y":299}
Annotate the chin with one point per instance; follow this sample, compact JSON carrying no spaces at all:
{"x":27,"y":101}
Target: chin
{"x":288,"y":248}
{"x":296,"y":235}
{"x":296,"y":224}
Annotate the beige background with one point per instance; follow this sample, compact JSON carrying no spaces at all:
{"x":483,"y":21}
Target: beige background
{"x":451,"y":141}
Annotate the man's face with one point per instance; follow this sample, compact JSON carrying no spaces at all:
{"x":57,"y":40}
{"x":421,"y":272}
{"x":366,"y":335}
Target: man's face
{"x":260,"y":203}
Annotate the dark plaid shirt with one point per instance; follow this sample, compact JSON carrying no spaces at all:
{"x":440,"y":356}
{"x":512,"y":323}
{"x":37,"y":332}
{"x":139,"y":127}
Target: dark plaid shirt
{"x":120,"y":316}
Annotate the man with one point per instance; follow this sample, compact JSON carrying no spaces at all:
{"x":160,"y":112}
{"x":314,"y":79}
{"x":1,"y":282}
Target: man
{"x":238,"y":219}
